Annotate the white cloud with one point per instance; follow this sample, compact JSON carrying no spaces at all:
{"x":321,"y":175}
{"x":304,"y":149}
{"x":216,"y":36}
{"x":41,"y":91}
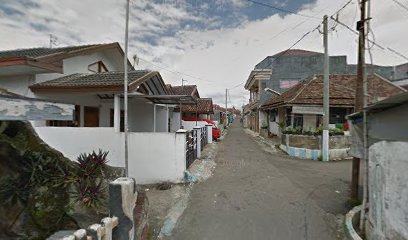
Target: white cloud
{"x":219,"y":57}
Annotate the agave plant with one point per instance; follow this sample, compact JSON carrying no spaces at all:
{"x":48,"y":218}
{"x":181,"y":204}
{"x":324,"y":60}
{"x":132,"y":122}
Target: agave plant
{"x":89,"y":179}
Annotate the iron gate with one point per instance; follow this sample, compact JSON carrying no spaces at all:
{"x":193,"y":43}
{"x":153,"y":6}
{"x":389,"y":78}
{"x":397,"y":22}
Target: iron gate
{"x":204,"y":137}
{"x":191,"y":149}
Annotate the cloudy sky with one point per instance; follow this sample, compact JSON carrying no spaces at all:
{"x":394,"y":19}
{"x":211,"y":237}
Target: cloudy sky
{"x":214,"y":43}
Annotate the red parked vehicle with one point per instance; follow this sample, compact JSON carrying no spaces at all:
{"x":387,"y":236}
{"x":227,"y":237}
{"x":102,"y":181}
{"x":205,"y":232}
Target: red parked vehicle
{"x":216,"y":133}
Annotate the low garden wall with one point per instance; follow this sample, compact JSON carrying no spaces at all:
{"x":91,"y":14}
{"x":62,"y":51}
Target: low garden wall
{"x":153,"y":157}
{"x":309,"y":147}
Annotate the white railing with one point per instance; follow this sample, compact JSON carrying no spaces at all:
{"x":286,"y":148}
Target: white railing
{"x":122,"y":202}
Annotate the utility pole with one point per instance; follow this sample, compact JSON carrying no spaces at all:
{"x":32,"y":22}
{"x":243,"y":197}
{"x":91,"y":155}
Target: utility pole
{"x":226,"y":106}
{"x":326,"y":94}
{"x":365,"y":128}
{"x":181,"y":111}
{"x":359,"y":98}
{"x":125,"y":89}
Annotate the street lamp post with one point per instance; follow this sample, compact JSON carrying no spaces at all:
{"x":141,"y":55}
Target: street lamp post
{"x":125,"y":89}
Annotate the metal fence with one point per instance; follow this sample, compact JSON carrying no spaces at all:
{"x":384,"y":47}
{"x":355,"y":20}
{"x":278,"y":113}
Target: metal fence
{"x":204,"y":137}
{"x":191,"y":149}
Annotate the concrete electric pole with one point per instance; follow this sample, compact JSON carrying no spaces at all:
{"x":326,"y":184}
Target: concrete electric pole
{"x":326,"y":94}
{"x":365,"y":128}
{"x":359,"y":98}
{"x":125,"y":89}
{"x":226,"y":107}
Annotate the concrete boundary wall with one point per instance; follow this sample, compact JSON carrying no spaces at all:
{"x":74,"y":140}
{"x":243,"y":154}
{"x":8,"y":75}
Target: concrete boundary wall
{"x":334,"y":154}
{"x":153,"y":157}
{"x":308,"y":147}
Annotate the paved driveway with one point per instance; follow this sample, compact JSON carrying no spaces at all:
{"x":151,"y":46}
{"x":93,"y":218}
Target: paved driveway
{"x":259,"y":195}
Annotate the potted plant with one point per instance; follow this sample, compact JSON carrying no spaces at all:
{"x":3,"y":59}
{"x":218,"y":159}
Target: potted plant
{"x":282,"y":125}
{"x":336,"y":132}
{"x":298,"y":130}
{"x":288,"y":130}
{"x":318,"y":131}
{"x":308,"y":132}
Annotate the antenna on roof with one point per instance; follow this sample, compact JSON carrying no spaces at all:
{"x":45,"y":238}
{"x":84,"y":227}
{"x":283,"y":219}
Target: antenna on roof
{"x":53,"y":40}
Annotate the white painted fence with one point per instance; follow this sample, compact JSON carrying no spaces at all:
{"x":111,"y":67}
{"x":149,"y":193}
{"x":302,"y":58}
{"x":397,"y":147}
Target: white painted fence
{"x":122,"y":202}
{"x":153,"y":157}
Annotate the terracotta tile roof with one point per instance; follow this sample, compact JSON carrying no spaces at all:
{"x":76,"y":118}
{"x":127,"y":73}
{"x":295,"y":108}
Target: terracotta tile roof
{"x":170,"y":89}
{"x":39,"y":52}
{"x":296,"y":52}
{"x":342,"y":91}
{"x":185,"y":90}
{"x":92,"y":79}
{"x":105,"y":82}
{"x":204,"y":106}
{"x":222,"y":109}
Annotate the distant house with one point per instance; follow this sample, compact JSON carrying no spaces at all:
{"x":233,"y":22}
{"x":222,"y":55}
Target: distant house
{"x":289,"y":67}
{"x":204,"y":108}
{"x":301,"y":106}
{"x":387,"y":167}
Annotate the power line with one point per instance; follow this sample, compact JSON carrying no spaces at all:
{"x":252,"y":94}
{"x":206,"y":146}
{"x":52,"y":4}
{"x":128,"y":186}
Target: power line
{"x":176,"y":72}
{"x":401,"y":5}
{"x":290,"y":28}
{"x":281,"y":9}
{"x":370,"y":41}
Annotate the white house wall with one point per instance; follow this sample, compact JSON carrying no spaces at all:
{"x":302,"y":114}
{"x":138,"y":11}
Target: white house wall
{"x":189,"y":125}
{"x":388,"y":190}
{"x":174,"y":121}
{"x":17,"y":84}
{"x":309,"y":121}
{"x":153,"y":157}
{"x":263,"y":118}
{"x":161,"y":119}
{"x":140,"y":116}
{"x":79,"y":64}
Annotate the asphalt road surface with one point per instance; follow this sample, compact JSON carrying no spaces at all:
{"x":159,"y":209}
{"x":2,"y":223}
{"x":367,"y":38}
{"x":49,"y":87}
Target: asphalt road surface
{"x":256,"y":194}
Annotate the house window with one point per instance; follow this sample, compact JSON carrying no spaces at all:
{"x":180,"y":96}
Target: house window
{"x":298,"y":121}
{"x":97,"y":67}
{"x":61,"y":123}
{"x":288,"y":117}
{"x":272,"y":116}
{"x":337,"y":115}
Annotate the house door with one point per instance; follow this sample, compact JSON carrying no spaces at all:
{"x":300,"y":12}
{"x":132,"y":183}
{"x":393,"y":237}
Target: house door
{"x":91,"y":117}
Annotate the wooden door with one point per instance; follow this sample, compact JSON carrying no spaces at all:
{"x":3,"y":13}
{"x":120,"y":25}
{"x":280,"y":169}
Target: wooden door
{"x":91,"y":117}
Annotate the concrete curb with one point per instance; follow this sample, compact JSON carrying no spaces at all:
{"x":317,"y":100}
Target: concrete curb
{"x":348,"y":223}
{"x":199,"y":171}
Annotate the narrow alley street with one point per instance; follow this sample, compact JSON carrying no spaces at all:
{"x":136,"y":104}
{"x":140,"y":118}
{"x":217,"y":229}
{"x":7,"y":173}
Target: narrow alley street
{"x":259,"y":195}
